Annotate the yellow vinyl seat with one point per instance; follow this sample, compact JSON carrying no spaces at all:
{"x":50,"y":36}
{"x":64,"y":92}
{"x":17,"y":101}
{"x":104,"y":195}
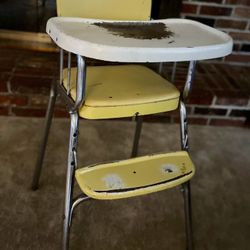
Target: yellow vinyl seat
{"x":135,"y":176}
{"x":123,"y":91}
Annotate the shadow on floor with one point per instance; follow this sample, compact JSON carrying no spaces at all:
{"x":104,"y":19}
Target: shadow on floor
{"x":33,"y":220}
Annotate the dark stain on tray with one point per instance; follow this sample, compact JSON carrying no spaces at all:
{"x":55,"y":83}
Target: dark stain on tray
{"x":137,"y":30}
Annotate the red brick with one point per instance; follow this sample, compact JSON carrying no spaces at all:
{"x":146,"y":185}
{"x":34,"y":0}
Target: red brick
{"x":238,"y":58}
{"x":4,"y":110}
{"x":189,"y":8}
{"x":225,"y":122}
{"x":242,"y":12}
{"x":212,"y":1}
{"x":208,"y":1}
{"x":212,"y":82}
{"x":240,"y":113}
{"x":238,"y":2}
{"x":229,"y":23}
{"x":240,"y":36}
{"x":176,"y":119}
{"x":221,"y":80}
{"x":33,"y":71}
{"x":6,"y":65}
{"x":236,"y":47}
{"x":232,"y":1}
{"x":3,"y":82}
{"x":28,"y":112}
{"x":210,"y":111}
{"x":228,"y":77}
{"x":12,"y":99}
{"x":202,"y":97}
{"x":61,"y":113}
{"x":215,"y":10}
{"x":39,"y":100}
{"x":30,"y":85}
{"x":3,"y":87}
{"x":197,"y":120}
{"x":238,"y":98}
{"x":241,"y":75}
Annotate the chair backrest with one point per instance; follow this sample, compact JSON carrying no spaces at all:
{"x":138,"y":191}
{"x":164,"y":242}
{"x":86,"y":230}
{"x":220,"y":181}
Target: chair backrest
{"x":105,"y":9}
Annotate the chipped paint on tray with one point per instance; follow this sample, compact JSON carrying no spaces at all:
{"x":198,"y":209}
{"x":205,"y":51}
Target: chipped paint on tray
{"x":113,"y":181}
{"x":170,"y":168}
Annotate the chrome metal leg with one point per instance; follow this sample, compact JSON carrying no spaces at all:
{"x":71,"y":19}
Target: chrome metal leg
{"x":139,"y":121}
{"x":184,"y":145}
{"x":173,"y":72}
{"x":183,"y":126}
{"x":72,"y":164}
{"x":78,"y":200}
{"x":72,"y":154}
{"x":188,"y":215}
{"x":186,"y":186}
{"x":48,"y":119}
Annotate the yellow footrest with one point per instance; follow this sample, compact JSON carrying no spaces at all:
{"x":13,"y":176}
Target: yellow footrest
{"x":136,"y":176}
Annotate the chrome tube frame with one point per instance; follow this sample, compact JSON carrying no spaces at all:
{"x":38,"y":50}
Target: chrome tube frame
{"x":139,"y":122}
{"x":80,"y":83}
{"x":69,"y":73}
{"x":189,"y":80}
{"x":183,"y":126}
{"x":72,"y":153}
{"x":45,"y":135}
{"x":173,"y":72}
{"x":75,"y":203}
{"x":186,"y":189}
{"x":70,"y":176}
{"x":61,"y":66}
{"x":160,"y":68}
{"x":183,"y":111}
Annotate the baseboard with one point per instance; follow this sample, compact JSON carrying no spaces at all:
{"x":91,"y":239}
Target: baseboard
{"x":26,"y":40}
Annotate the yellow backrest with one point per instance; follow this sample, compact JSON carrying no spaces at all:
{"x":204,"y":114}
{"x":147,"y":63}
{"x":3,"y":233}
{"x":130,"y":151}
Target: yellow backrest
{"x":105,"y":9}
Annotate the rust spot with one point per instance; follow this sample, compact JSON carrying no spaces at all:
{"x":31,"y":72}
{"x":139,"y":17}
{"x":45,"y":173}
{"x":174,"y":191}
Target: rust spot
{"x":137,"y":30}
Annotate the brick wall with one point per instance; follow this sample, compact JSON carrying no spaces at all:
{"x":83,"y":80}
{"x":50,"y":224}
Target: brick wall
{"x":220,"y":94}
{"x":230,"y":16}
{"x":25,"y":80}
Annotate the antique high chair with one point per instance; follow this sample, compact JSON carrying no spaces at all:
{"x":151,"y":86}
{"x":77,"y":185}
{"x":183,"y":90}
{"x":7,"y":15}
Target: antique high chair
{"x":103,"y":92}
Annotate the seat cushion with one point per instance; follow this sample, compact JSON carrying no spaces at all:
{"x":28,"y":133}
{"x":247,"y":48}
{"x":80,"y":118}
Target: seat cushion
{"x":136,"y":176}
{"x":123,"y":91}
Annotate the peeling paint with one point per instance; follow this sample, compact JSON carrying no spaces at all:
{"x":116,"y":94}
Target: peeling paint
{"x":113,"y":181}
{"x":170,"y":168}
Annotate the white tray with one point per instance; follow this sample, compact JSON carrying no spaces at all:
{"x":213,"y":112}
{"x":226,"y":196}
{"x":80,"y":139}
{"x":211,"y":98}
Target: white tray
{"x":184,"y":40}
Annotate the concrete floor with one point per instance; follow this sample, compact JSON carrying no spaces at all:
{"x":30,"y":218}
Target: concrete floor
{"x":32,"y":220}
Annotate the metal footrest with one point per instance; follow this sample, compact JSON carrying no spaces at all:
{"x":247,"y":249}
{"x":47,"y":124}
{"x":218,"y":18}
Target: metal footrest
{"x":136,"y":176}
